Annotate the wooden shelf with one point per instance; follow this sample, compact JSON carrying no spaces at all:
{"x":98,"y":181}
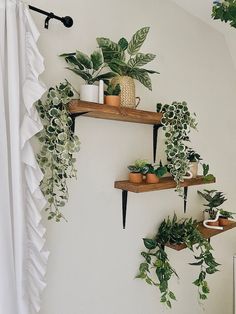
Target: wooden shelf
{"x":94,"y":110}
{"x":165,"y":183}
{"x":206,"y":232}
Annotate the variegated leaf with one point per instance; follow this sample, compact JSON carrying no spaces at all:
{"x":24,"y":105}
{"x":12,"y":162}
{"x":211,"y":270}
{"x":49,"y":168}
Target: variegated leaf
{"x":141,"y":59}
{"x":110,"y":49}
{"x":97,"y":59}
{"x":137,"y":40}
{"x":84,"y":59}
{"x":142,"y":76}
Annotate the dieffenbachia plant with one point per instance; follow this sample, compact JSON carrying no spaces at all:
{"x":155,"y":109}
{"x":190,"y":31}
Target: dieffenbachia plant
{"x":177,"y":123}
{"x":124,"y":57}
{"x":58,"y":144}
{"x":89,"y":68}
{"x":225,"y":11}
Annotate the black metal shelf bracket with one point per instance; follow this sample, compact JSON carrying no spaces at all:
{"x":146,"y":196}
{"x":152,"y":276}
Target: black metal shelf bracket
{"x":66,"y":20}
{"x":73,"y":116}
{"x":155,"y":136}
{"x":124,"y":206}
{"x":185,"y":198}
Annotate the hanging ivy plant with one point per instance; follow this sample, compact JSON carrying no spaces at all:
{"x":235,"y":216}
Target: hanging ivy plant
{"x":225,"y":11}
{"x":177,"y":122}
{"x":58,"y":143}
{"x":156,"y":269}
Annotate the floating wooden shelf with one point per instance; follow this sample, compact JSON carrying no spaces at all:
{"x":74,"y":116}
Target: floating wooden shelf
{"x":165,"y":183}
{"x":206,"y":232}
{"x":94,"y":110}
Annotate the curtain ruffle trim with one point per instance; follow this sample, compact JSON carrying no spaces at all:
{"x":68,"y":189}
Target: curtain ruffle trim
{"x":37,"y":256}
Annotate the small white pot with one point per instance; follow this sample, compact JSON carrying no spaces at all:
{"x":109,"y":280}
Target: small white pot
{"x":89,"y":93}
{"x":194,"y":168}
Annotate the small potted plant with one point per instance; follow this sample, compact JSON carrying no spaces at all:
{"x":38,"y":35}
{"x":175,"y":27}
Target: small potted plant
{"x":214,"y":199}
{"x":137,"y":170}
{"x":154,"y":172}
{"x":90,"y":69}
{"x":224,"y":217}
{"x":112,"y":95}
{"x":194,"y":159}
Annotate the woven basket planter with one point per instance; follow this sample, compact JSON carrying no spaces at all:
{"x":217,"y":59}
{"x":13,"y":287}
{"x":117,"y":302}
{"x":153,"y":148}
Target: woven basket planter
{"x":127,"y":94}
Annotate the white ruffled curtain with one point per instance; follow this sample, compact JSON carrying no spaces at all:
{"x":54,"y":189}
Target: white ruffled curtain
{"x":22,"y":256}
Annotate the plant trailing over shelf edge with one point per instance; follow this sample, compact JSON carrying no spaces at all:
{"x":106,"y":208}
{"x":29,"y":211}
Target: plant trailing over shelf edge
{"x":58,"y":143}
{"x":89,"y":68}
{"x":177,"y":123}
{"x":225,"y":11}
{"x":157,"y":263}
{"x":116,"y":58}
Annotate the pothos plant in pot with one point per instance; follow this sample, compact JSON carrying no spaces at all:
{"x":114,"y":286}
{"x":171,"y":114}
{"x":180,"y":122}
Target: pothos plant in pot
{"x":90,"y":69}
{"x":156,"y":269}
{"x":177,"y":123}
{"x":58,"y":145}
{"x":125,"y":59}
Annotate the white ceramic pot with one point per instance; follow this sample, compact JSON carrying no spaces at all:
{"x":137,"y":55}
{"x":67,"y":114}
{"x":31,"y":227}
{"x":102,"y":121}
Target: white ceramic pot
{"x":89,"y":93}
{"x":194,"y":168}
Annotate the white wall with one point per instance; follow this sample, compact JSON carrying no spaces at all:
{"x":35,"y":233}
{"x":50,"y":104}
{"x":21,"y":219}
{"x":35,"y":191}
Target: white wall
{"x":93,"y":261}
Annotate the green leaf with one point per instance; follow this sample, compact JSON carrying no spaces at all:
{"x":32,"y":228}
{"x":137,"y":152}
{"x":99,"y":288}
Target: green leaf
{"x":84,"y":59}
{"x":137,"y":40}
{"x":172,"y":296}
{"x":196,"y":263}
{"x":97,"y":59}
{"x":141,"y":59}
{"x":142,"y":77}
{"x":168,"y":303}
{"x":105,"y":76}
{"x":86,"y":76}
{"x":63,"y":55}
{"x":123,"y":43}
{"x":150,"y":244}
{"x":143,"y":267}
{"x":110,"y":49}
{"x":73,"y":61}
{"x":119,"y":67}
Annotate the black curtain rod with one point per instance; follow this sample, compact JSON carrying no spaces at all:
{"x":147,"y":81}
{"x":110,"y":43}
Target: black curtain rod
{"x":67,"y":20}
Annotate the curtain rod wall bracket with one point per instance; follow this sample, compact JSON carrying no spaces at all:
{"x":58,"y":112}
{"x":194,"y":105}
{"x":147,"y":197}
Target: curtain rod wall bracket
{"x":67,"y":20}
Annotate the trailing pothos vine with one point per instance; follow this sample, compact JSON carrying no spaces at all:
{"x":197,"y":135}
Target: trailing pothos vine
{"x":58,"y":143}
{"x":177,"y":123}
{"x":156,"y":269}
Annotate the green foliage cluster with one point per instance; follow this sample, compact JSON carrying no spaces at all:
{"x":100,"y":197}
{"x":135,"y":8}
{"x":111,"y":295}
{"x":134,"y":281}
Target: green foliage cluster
{"x":89,"y":68}
{"x":225,"y":11}
{"x":158,"y":169}
{"x":156,"y":263}
{"x":177,"y":123}
{"x":58,"y":143}
{"x":113,"y":90}
{"x":214,"y":199}
{"x":139,"y":166}
{"x":124,"y":57}
{"x":192,"y":155}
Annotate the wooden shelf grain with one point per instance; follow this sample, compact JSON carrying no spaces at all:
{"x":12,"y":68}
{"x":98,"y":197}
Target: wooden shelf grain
{"x":206,"y":232}
{"x":164,"y":184}
{"x":95,"y":110}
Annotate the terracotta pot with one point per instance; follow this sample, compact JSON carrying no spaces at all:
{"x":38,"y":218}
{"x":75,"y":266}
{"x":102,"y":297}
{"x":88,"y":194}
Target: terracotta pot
{"x":112,"y":100}
{"x":224,"y":221}
{"x":194,"y":168}
{"x":135,"y":177}
{"x":213,"y":223}
{"x":152,"y":178}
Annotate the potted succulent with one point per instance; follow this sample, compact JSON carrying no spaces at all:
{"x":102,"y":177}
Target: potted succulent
{"x":214,"y":199}
{"x":58,"y":144}
{"x":126,"y":61}
{"x":224,"y":217}
{"x":154,"y":172}
{"x":225,"y":11}
{"x":156,"y":269}
{"x":194,"y":159}
{"x":90,"y":69}
{"x":112,"y":95}
{"x":177,"y":123}
{"x":137,"y":170}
